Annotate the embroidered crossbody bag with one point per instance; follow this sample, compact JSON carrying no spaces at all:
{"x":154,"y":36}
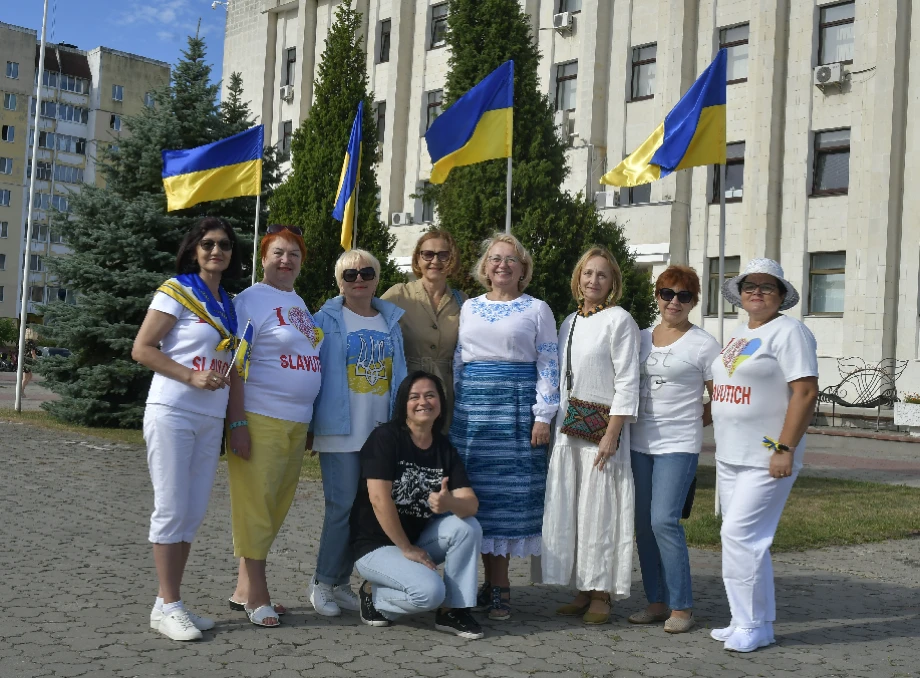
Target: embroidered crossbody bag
{"x":583,"y":418}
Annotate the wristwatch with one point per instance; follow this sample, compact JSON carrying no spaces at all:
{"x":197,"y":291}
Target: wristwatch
{"x":783,"y":448}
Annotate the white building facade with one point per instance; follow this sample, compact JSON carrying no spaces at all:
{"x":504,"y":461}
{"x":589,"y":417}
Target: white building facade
{"x":820,"y":144}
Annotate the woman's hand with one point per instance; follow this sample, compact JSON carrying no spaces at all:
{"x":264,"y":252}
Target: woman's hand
{"x":540,"y":434}
{"x":439,"y":501}
{"x":208,"y":381}
{"x":419,"y":555}
{"x":606,"y":448}
{"x":310,"y":444}
{"x":240,"y":443}
{"x":781,"y":464}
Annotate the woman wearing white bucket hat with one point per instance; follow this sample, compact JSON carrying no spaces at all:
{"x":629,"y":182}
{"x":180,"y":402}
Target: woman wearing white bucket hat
{"x":765,"y":384}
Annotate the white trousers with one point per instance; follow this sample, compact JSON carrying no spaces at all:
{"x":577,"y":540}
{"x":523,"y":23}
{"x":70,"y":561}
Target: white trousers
{"x":752,"y":503}
{"x":182,"y":453}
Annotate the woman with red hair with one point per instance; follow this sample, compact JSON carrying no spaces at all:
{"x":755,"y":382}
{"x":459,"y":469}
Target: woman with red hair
{"x":275,"y":408}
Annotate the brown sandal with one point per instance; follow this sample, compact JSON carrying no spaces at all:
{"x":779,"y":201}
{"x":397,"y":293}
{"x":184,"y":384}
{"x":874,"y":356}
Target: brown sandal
{"x":598,"y":617}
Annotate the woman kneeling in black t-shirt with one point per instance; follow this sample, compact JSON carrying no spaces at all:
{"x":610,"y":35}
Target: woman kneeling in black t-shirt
{"x":415,"y":512}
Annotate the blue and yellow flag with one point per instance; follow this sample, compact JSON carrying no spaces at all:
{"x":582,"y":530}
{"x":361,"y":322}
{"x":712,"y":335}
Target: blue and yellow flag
{"x":477,"y":127}
{"x":347,"y":194}
{"x":228,"y":168}
{"x":244,"y":352}
{"x":692,"y":134}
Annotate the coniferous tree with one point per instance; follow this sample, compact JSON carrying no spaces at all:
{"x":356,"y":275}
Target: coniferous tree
{"x":124,"y":245}
{"x":554,"y":225}
{"x":308,"y":195}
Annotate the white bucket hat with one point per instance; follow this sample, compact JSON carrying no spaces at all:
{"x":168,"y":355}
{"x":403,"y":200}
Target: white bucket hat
{"x":730,"y":287}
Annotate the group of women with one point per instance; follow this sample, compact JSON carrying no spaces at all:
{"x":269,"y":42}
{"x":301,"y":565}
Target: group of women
{"x":433,"y":415}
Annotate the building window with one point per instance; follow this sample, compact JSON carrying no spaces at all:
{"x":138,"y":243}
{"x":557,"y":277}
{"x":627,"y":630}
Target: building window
{"x":67,"y":174}
{"x":4,"y":229}
{"x":35,"y":263}
{"x":290,"y":63}
{"x":45,"y":139}
{"x":637,"y":195}
{"x":37,"y":293}
{"x":427,"y":203}
{"x":438,"y":25}
{"x":4,"y":198}
{"x":49,"y":109}
{"x":832,"y":162}
{"x":8,"y":133}
{"x":12,"y":70}
{"x":734,"y":175}
{"x":380,"y":117}
{"x":149,"y":100}
{"x":70,"y":83}
{"x":55,"y":237}
{"x":566,"y":85}
{"x":72,"y":113}
{"x":40,"y":232}
{"x":826,"y":276}
{"x":287,"y":136}
{"x":732,"y":268}
{"x":49,"y":78}
{"x":1,"y":292}
{"x":2,"y":262}
{"x":9,"y":102}
{"x":118,"y":92}
{"x":115,"y":122}
{"x":44,"y":171}
{"x":6,"y":165}
{"x":837,"y":31}
{"x":643,"y":72}
{"x":383,"y":54}
{"x":570,"y":6}
{"x":434,"y":107}
{"x":735,"y":41}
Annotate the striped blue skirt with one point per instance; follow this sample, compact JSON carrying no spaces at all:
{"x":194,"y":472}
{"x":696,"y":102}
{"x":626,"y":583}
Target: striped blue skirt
{"x":491,"y":430}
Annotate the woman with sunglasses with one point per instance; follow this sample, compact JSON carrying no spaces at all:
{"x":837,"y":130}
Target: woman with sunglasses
{"x":186,"y":339}
{"x":675,"y":362}
{"x":432,"y":311}
{"x":765,"y":385}
{"x":275,"y":410}
{"x":363,"y":365}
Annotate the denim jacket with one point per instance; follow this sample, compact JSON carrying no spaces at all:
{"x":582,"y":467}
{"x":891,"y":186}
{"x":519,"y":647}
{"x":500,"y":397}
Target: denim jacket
{"x":331,"y":410}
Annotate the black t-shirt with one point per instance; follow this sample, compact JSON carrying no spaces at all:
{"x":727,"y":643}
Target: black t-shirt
{"x":390,"y":454}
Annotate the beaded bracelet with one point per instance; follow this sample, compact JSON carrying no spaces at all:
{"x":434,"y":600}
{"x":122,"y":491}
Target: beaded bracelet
{"x":237,"y":424}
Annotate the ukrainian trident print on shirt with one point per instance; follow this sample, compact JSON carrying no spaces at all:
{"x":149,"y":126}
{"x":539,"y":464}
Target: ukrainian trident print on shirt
{"x":369,"y":360}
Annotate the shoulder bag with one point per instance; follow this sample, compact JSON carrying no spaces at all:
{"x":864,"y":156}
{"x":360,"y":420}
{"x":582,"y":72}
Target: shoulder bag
{"x":583,"y":418}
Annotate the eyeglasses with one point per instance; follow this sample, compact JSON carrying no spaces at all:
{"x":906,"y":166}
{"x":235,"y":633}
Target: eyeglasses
{"x":225,"y":245}
{"x":277,"y":228}
{"x":496,"y":260}
{"x":667,"y":294}
{"x":366,"y":273}
{"x":428,"y":255}
{"x":765,"y":288}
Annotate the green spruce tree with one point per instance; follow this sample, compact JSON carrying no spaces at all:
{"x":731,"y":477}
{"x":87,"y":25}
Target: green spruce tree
{"x":554,"y":225}
{"x":124,"y":245}
{"x":308,"y":195}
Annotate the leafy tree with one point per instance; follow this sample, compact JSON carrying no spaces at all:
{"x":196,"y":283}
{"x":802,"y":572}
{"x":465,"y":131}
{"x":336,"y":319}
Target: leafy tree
{"x":9,"y":333}
{"x":554,"y":225}
{"x":308,"y":195}
{"x":124,"y":245}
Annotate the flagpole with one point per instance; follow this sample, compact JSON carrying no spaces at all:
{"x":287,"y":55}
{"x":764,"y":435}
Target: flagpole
{"x":255,"y":237}
{"x":719,"y":287}
{"x":508,"y":199}
{"x":354,"y":227}
{"x":24,"y":308}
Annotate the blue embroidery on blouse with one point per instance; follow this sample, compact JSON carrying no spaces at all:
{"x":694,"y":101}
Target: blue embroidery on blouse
{"x":495,"y":311}
{"x":551,"y":373}
{"x":548,"y":347}
{"x":552,"y":399}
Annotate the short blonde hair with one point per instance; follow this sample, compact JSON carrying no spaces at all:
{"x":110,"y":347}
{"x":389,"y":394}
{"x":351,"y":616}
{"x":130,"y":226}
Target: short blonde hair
{"x":351,"y":259}
{"x":479,"y":270}
{"x":597,"y":251}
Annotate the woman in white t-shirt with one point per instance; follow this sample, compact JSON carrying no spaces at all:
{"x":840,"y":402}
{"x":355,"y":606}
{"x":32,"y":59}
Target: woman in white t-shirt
{"x":765,"y":384}
{"x":283,"y":380}
{"x":186,"y":339}
{"x":675,"y":358}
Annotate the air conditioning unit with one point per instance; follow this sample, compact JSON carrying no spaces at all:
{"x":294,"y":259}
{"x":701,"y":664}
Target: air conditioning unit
{"x":287,"y":92}
{"x":607,"y":199}
{"x":563,"y":22}
{"x":400,"y":218}
{"x":829,"y":75}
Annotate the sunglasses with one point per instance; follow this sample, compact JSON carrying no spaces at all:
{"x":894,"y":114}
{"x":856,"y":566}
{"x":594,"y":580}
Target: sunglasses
{"x":428,"y":255}
{"x":277,"y":228}
{"x":667,"y":294}
{"x":207,"y":245}
{"x":765,"y":288}
{"x":366,"y":273}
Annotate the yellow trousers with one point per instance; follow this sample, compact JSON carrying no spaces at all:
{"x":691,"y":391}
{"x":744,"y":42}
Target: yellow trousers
{"x":262,"y":488}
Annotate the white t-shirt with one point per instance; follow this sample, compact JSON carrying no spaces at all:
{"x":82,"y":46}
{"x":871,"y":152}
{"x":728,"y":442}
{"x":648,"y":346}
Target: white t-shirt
{"x":751,"y":391}
{"x":671,"y":392}
{"x":369,"y":361}
{"x":191,"y":342}
{"x":284,"y":369}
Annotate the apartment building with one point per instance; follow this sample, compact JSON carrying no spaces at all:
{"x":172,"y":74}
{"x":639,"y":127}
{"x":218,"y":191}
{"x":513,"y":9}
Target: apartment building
{"x":820,"y":149}
{"x":84,"y":98}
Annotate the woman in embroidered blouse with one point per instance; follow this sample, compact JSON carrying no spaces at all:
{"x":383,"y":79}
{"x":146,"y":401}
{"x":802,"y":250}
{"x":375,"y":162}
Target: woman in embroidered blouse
{"x":507,"y":391}
{"x":588,"y":519}
{"x":432,"y":311}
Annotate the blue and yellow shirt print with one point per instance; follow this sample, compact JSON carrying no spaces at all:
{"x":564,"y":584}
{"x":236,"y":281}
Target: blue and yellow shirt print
{"x":369,"y":360}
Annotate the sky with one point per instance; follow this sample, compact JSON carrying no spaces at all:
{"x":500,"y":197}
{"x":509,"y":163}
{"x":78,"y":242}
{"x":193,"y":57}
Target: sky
{"x":156,"y":28}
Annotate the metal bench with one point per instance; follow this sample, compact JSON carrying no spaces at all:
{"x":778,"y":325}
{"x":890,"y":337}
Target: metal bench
{"x":865,"y":385}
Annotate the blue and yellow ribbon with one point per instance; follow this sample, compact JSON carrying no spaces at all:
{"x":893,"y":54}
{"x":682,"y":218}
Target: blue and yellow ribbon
{"x":190,"y":291}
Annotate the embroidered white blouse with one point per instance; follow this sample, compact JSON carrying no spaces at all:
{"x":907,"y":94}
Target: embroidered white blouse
{"x":519,"y":331}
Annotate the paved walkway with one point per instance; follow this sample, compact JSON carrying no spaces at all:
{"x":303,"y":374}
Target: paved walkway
{"x":78,"y":582}
{"x":35,"y":393}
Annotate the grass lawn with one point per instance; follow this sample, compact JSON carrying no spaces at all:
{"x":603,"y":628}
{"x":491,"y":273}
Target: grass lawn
{"x":43,"y":419}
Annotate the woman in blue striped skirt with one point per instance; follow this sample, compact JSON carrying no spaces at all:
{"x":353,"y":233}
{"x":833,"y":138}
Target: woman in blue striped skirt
{"x":506,"y":376}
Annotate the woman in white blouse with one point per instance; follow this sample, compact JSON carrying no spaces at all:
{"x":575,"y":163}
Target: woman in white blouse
{"x":676,"y":358}
{"x":588,"y":520}
{"x":507,"y":391}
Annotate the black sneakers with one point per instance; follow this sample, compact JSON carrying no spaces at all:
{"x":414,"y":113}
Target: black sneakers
{"x":458,"y":621}
{"x":369,"y":613}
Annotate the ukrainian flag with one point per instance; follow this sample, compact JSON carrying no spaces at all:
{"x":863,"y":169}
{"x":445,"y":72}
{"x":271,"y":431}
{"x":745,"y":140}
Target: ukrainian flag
{"x":477,"y":127}
{"x":692,"y":134}
{"x":228,"y":168}
{"x":244,"y":352}
{"x":347,"y":194}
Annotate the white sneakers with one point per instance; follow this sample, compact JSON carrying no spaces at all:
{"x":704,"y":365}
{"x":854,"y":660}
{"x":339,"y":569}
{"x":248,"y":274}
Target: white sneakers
{"x":180,"y":624}
{"x":746,"y":640}
{"x":329,"y":601}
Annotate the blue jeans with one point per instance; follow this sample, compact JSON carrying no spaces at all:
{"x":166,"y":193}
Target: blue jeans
{"x":662,"y":482}
{"x":402,"y":586}
{"x":341,"y":474}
